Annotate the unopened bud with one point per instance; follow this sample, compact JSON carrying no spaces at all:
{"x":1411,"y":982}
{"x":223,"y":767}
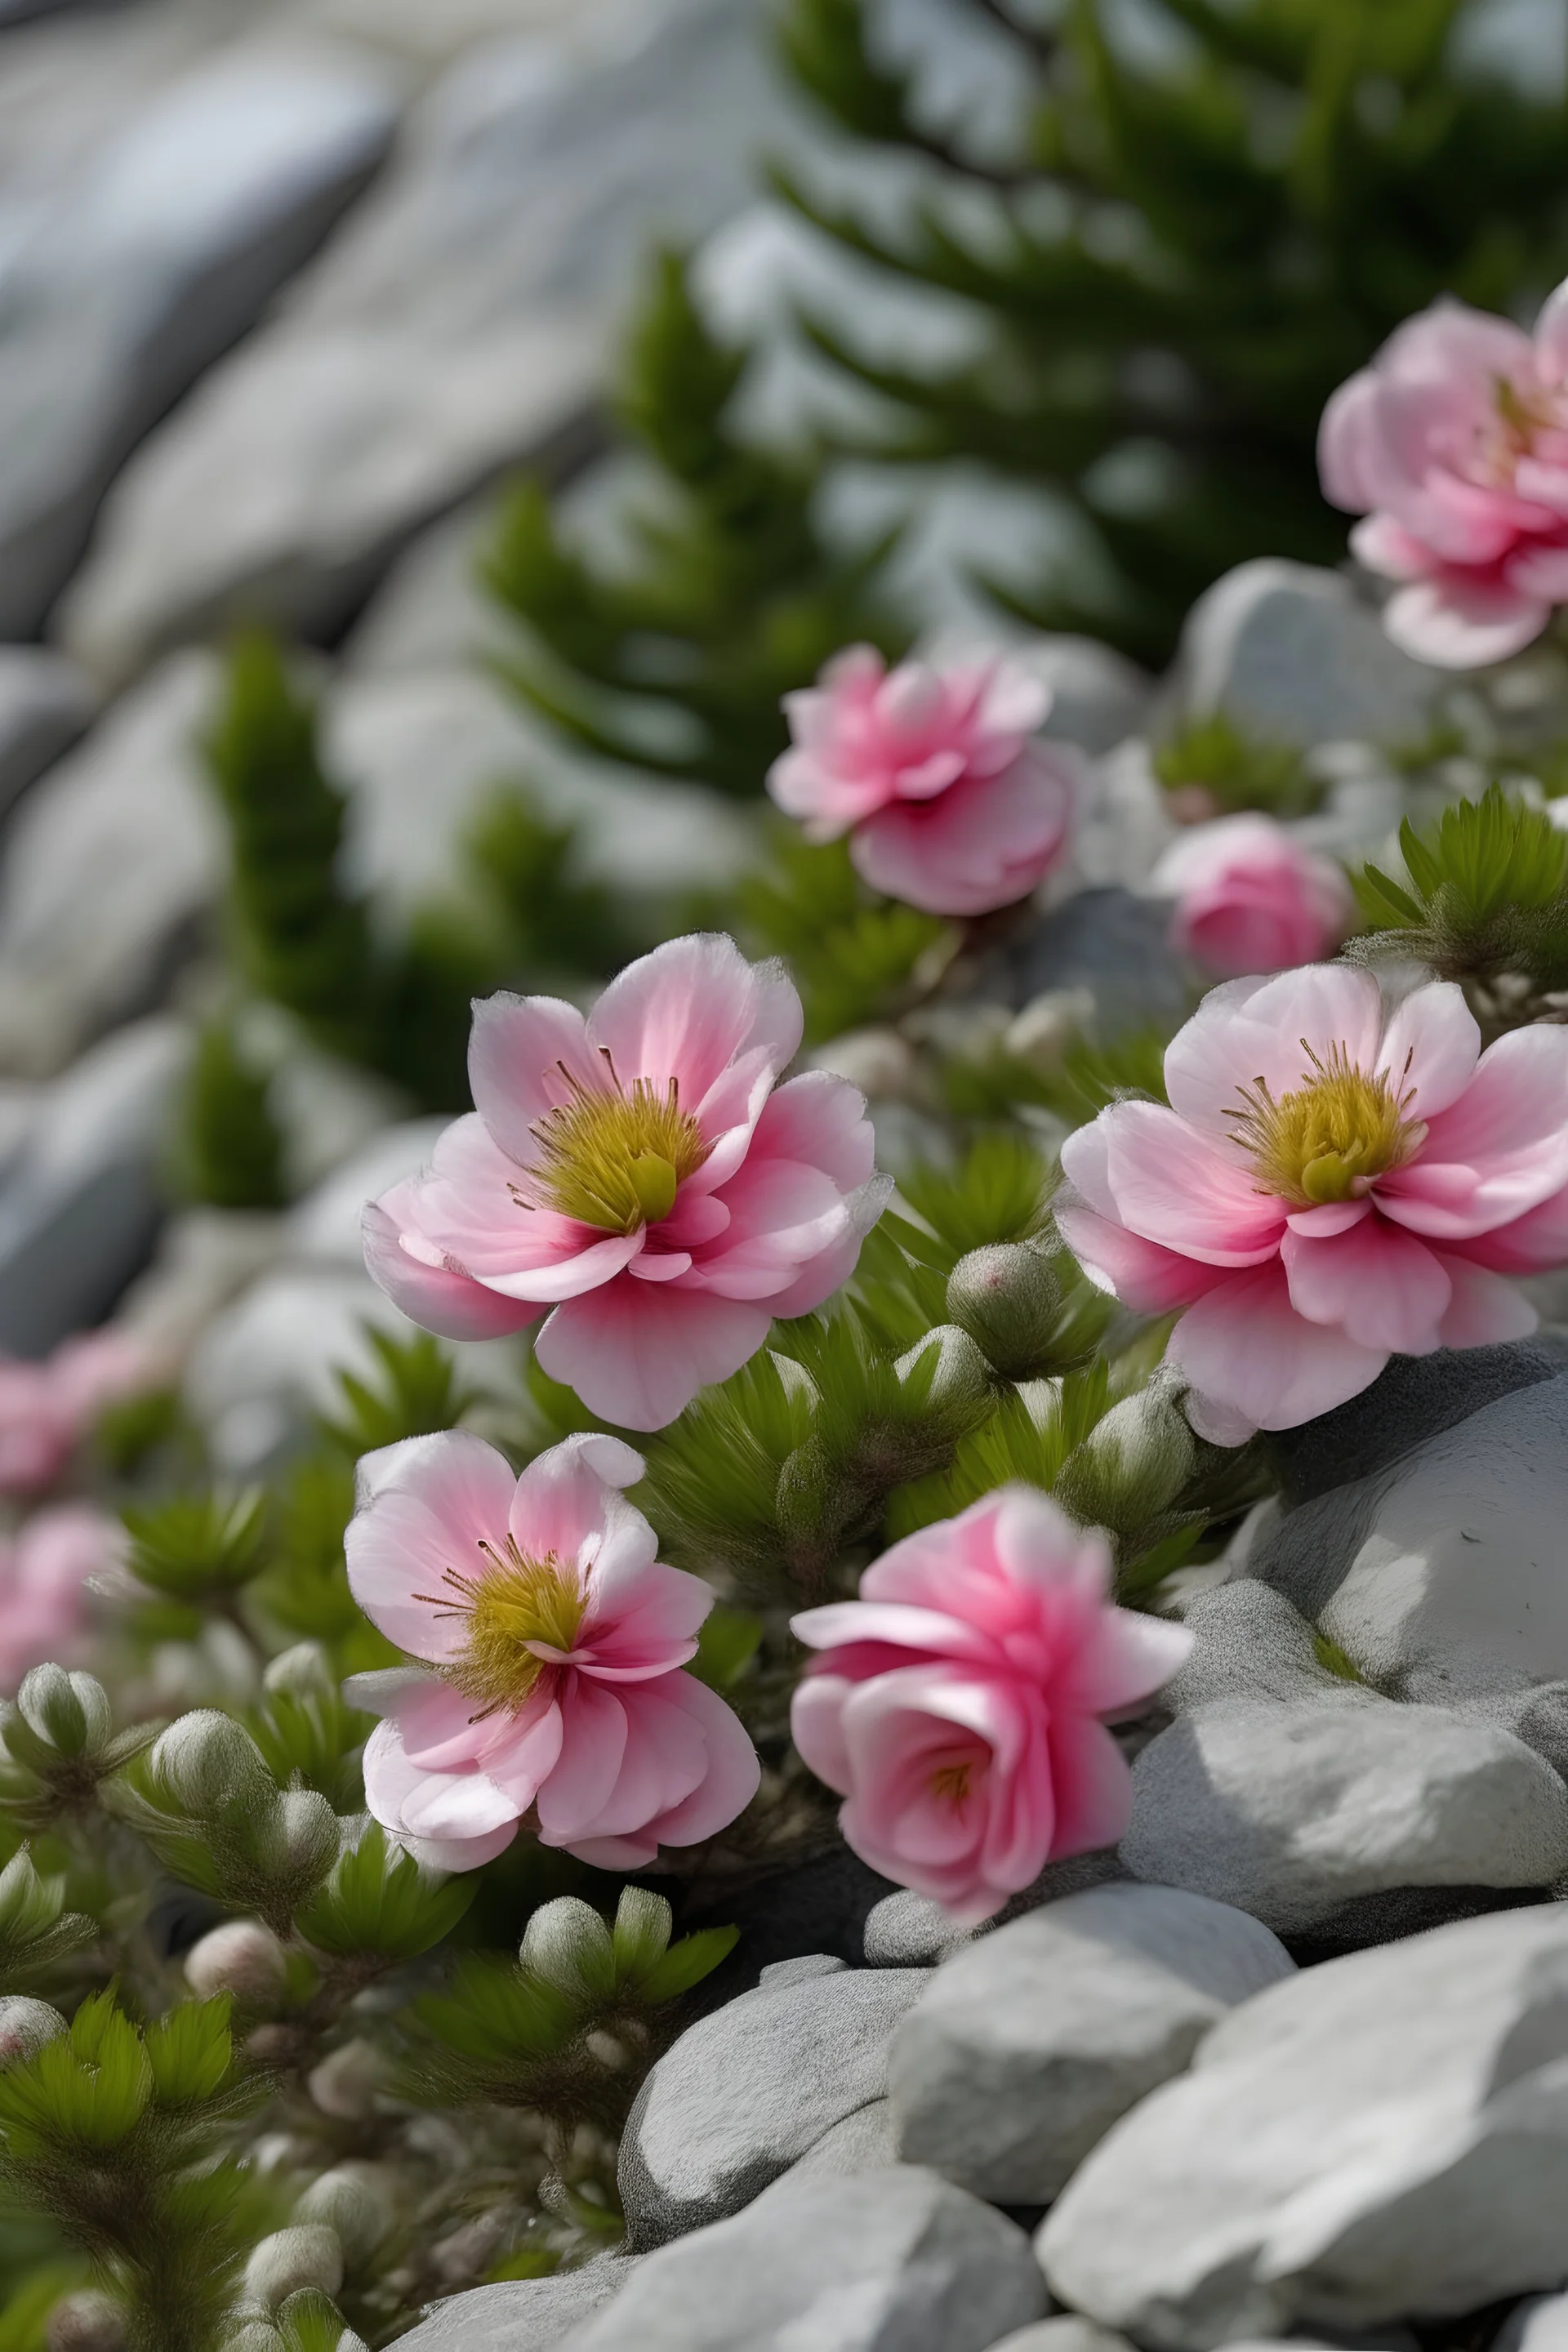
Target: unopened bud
{"x":346,"y":2081}
{"x":878,"y":1061}
{"x":569,"y":1946}
{"x":352,"y":2201}
{"x":1132,"y":1464}
{"x":210,"y":1763}
{"x":70,"y":1711}
{"x":26,"y":2025}
{"x":87,"y":2322}
{"x":1041,"y":1034}
{"x":1008,"y":1300}
{"x":242,"y":1958}
{"x":305,"y":1670}
{"x":298,"y":1838}
{"x":960,"y":1379}
{"x":308,"y":2255}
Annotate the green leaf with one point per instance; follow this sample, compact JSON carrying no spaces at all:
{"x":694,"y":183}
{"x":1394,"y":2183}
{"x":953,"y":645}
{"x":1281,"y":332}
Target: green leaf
{"x":686,"y":1963}
{"x":198,"y":1546}
{"x":379,"y":1900}
{"x":727,"y":1641}
{"x":189,"y":2051}
{"x":640,"y":1936}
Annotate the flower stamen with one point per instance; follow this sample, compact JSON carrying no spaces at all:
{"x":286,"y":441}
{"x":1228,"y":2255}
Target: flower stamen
{"x":1332,"y":1136}
{"x":517,"y":1608}
{"x":613,"y":1158}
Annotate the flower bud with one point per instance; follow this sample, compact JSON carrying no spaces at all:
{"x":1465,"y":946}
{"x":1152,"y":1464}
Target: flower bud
{"x":1041,"y":1034}
{"x":1008,"y":1300}
{"x":346,"y":2081}
{"x":242,"y":1958}
{"x":1132,"y":1464}
{"x":210,"y":1763}
{"x":25,"y":2026}
{"x":297,"y":1837}
{"x":305,"y":1671}
{"x":351,"y":2200}
{"x":308,"y":2254}
{"x":569,"y":1946}
{"x":960,"y":1379}
{"x":70,"y":1711}
{"x":87,"y":2322}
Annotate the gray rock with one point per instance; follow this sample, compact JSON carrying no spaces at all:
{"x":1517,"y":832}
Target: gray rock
{"x":1107,"y":940}
{"x":1291,"y":1792}
{"x":802,"y":1970}
{"x":108,"y":861}
{"x":896,"y":2261}
{"x":1097,"y":696}
{"x":1066,"y":2333}
{"x":1539,"y":2325}
{"x":462,"y":323}
{"x":907,"y":1930}
{"x":1124,"y":823}
{"x":158,"y":250}
{"x":44,"y":704}
{"x":1382,"y":2137}
{"x":1023,"y":2050}
{"x":863,"y":2142}
{"x":520,"y":2314}
{"x":1440,"y":1576}
{"x":205,"y":1258}
{"x":82,"y":1202}
{"x":1291,"y":656}
{"x":431,"y":613}
{"x":324,"y":1227}
{"x":747,"y":2091}
{"x":1411,"y":1401}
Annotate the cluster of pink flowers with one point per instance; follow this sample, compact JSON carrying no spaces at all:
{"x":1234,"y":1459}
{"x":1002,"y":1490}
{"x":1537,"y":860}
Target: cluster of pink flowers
{"x":1249,"y":898}
{"x":640,"y":1176}
{"x":553,"y":1643}
{"x":46,"y":1408}
{"x":959,"y":1705}
{"x":1331,"y":1185}
{"x":1453,"y":447}
{"x":948,"y":802}
{"x":46,"y":1574}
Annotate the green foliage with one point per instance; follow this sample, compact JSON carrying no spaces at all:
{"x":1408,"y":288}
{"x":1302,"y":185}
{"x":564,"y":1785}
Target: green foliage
{"x":198,"y":1550}
{"x":1487,"y":897}
{"x":852,"y":955}
{"x":419,"y":1392}
{"x":36,"y":1929}
{"x":563,"y":2025}
{"x":228,"y":1152}
{"x":59,"y":1747}
{"x":1186,"y":255}
{"x":999,"y":1192}
{"x":1028,"y":1438}
{"x":307,"y":1731}
{"x":116,"y":2133}
{"x":1235,"y":771}
{"x":676,"y":660}
{"x":378,"y":1900}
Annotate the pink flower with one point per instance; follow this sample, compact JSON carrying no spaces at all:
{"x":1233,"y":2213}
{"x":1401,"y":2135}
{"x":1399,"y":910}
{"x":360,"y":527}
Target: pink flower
{"x":1330,"y":1186}
{"x":45,"y":1572}
{"x":949,"y":804}
{"x":45,"y":1407}
{"x":1249,"y":898}
{"x":555,"y":1642}
{"x":958,"y":1710}
{"x":1454,"y":446}
{"x":639,"y":1173}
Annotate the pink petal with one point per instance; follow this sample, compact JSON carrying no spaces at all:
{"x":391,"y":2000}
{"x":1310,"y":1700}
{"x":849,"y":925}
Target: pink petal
{"x":528,"y":1745}
{"x":1247,"y":1031}
{"x":816,"y":1727}
{"x":1484,"y":1309}
{"x":451,"y":1305}
{"x":1091,"y":1783}
{"x":1331,"y":1217}
{"x":691,"y":1008}
{"x":734,"y":1773}
{"x":820,"y":1121}
{"x":423,"y":1507}
{"x":1260,"y":1365}
{"x":1385,"y":546}
{"x":781,"y":1216}
{"x":1127,"y":1657}
{"x":1455,"y":623}
{"x":1500,"y":1149}
{"x":1172,"y":1184}
{"x":637,"y":1355}
{"x":1538,"y":571}
{"x":931,"y":1631}
{"x":515,"y":1050}
{"x":1345,"y":440}
{"x":1551,"y":336}
{"x":665,"y":1761}
{"x":570,"y":1496}
{"x":1431,"y":1049}
{"x":1379,"y":1286}
{"x":594,"y":1739}
{"x":985,"y":843}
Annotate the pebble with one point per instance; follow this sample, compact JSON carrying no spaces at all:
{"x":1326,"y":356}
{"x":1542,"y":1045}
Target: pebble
{"x":520,"y":2314}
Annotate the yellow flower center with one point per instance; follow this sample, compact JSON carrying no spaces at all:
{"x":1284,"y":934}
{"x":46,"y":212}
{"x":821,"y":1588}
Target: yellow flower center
{"x":515,"y":1603}
{"x":952,"y":1780}
{"x":1329,"y":1138}
{"x":1520,"y":419}
{"x":614,"y":1158}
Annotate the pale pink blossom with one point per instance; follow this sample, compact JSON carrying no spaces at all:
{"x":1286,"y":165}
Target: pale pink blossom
{"x":1251,"y":898}
{"x":1331,"y":1184}
{"x":959,"y":1705}
{"x":949,"y":802}
{"x":552,"y":1695}
{"x":1453,"y":444}
{"x":47,"y":1407}
{"x":46,"y":1574}
{"x":640,"y":1176}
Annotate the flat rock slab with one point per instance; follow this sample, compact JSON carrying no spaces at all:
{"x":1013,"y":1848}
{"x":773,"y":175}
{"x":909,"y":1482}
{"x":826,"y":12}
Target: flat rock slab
{"x":747,"y":2091}
{"x":896,"y":2261}
{"x":520,"y":2314}
{"x":1290,"y":654}
{"x":1382,"y":2137}
{"x":1025,"y":2049}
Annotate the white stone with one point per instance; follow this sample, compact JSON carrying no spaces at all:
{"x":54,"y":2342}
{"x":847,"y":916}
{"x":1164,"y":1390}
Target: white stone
{"x":109,"y":858}
{"x":1380,"y":2137}
{"x":205,"y":1258}
{"x":1539,"y":2325}
{"x":82,"y":1199}
{"x":748,"y":2090}
{"x":1024,"y":2049}
{"x":1066,"y":2333}
{"x":431,"y":612}
{"x":907,"y":1930}
{"x":520,"y":2314}
{"x":462,"y":323}
{"x":1124,"y":825}
{"x":144,"y":264}
{"x":44,"y":704}
{"x":1291,"y":656}
{"x":324,"y":1227}
{"x":891,"y":2260}
{"x":863,"y":2142}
